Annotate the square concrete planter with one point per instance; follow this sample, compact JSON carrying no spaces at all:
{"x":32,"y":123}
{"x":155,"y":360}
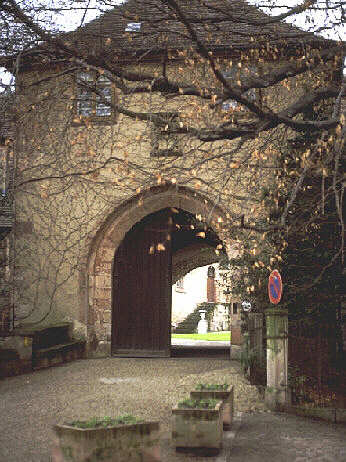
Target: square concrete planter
{"x":197,"y":430}
{"x":226,"y":396}
{"x":137,"y":442}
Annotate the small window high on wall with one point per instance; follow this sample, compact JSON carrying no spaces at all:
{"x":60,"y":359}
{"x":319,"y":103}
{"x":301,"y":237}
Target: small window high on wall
{"x":94,"y":95}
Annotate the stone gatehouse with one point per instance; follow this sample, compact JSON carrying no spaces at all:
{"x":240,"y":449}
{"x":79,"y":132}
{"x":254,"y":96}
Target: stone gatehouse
{"x":98,"y":151}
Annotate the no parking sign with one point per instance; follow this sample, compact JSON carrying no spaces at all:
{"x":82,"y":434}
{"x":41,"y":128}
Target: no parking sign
{"x":275,"y":287}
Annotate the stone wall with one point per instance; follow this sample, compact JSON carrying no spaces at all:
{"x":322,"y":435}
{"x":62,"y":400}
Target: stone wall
{"x":101,"y":178}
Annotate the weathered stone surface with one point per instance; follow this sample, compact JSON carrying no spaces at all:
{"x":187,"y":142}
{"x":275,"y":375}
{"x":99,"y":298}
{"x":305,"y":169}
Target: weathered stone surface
{"x":79,"y":330}
{"x":277,"y":393}
{"x":103,"y":281}
{"x":103,"y":349}
{"x":115,"y":380}
{"x":102,"y":293}
{"x":323,"y":413}
{"x":107,"y":316}
{"x":340,"y":415}
{"x":22,"y":345}
{"x":236,"y":335}
{"x":103,"y":268}
{"x":320,"y":413}
{"x":227,"y":398}
{"x":123,"y":443}
{"x":11,"y":367}
{"x":197,"y":428}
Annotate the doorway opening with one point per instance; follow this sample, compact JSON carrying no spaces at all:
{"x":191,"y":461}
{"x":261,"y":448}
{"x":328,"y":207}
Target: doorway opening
{"x":154,"y":254}
{"x":200,"y":313}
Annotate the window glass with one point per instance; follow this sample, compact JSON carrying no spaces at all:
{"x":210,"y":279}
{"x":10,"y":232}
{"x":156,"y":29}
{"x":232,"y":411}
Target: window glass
{"x":133,"y":27}
{"x":103,"y":109}
{"x":229,"y":104}
{"x":102,"y":79}
{"x":84,"y":104}
{"x":86,"y":76}
{"x":92,"y":100}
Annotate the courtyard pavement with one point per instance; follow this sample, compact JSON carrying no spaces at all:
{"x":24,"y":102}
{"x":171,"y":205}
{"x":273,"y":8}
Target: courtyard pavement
{"x":30,"y":404}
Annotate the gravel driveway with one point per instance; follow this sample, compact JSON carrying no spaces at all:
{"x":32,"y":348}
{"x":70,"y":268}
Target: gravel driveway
{"x":32,"y":403}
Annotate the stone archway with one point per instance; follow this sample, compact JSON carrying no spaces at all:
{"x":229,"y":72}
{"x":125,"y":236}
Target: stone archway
{"x":98,"y":291}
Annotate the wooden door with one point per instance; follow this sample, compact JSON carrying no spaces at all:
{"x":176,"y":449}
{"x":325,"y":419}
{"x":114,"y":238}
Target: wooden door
{"x":142,"y":289}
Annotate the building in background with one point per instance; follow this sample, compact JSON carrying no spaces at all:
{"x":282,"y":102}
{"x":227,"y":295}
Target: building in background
{"x":204,"y":285}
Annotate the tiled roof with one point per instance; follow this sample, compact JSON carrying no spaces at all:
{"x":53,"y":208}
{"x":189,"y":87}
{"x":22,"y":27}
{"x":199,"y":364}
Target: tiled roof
{"x":225,"y":26}
{"x":219,"y":23}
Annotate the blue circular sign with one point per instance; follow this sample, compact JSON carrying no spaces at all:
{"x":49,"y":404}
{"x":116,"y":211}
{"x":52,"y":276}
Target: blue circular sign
{"x":275,"y":287}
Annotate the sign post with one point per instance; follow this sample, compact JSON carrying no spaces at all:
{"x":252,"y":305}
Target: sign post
{"x":277,"y":393}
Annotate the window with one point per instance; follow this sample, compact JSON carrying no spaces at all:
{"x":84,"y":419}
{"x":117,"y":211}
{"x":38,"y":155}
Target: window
{"x":93,"y":93}
{"x":133,"y":27}
{"x":235,"y":308}
{"x":234,"y":74}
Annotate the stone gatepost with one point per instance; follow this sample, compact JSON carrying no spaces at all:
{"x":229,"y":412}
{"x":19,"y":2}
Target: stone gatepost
{"x":277,"y":393}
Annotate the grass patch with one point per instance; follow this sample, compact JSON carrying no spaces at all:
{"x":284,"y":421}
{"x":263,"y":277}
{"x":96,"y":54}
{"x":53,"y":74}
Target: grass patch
{"x":104,"y":422}
{"x":211,"y":336}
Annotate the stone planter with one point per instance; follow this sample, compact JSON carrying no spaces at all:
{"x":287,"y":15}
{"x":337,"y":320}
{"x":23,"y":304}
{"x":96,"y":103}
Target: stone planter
{"x":226,"y":396}
{"x":197,"y":430}
{"x":137,"y":442}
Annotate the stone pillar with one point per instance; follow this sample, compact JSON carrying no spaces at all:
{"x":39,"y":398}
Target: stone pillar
{"x":211,"y":291}
{"x":276,"y":395}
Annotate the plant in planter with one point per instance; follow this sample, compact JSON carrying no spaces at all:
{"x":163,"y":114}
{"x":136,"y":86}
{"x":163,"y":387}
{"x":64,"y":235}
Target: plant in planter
{"x":223,"y":392}
{"x":212,"y":386}
{"x":197,"y":426}
{"x":107,"y":439}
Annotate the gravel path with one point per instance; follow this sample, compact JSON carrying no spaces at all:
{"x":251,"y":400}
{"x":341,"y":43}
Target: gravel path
{"x":148,"y":388}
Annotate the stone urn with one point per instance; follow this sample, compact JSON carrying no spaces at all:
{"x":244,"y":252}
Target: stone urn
{"x":137,"y":442}
{"x":202,"y":326}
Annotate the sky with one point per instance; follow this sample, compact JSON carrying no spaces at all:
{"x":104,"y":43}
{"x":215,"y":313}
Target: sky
{"x":86,"y":11}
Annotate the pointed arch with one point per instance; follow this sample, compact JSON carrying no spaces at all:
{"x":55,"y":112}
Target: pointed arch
{"x":97,"y":301}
